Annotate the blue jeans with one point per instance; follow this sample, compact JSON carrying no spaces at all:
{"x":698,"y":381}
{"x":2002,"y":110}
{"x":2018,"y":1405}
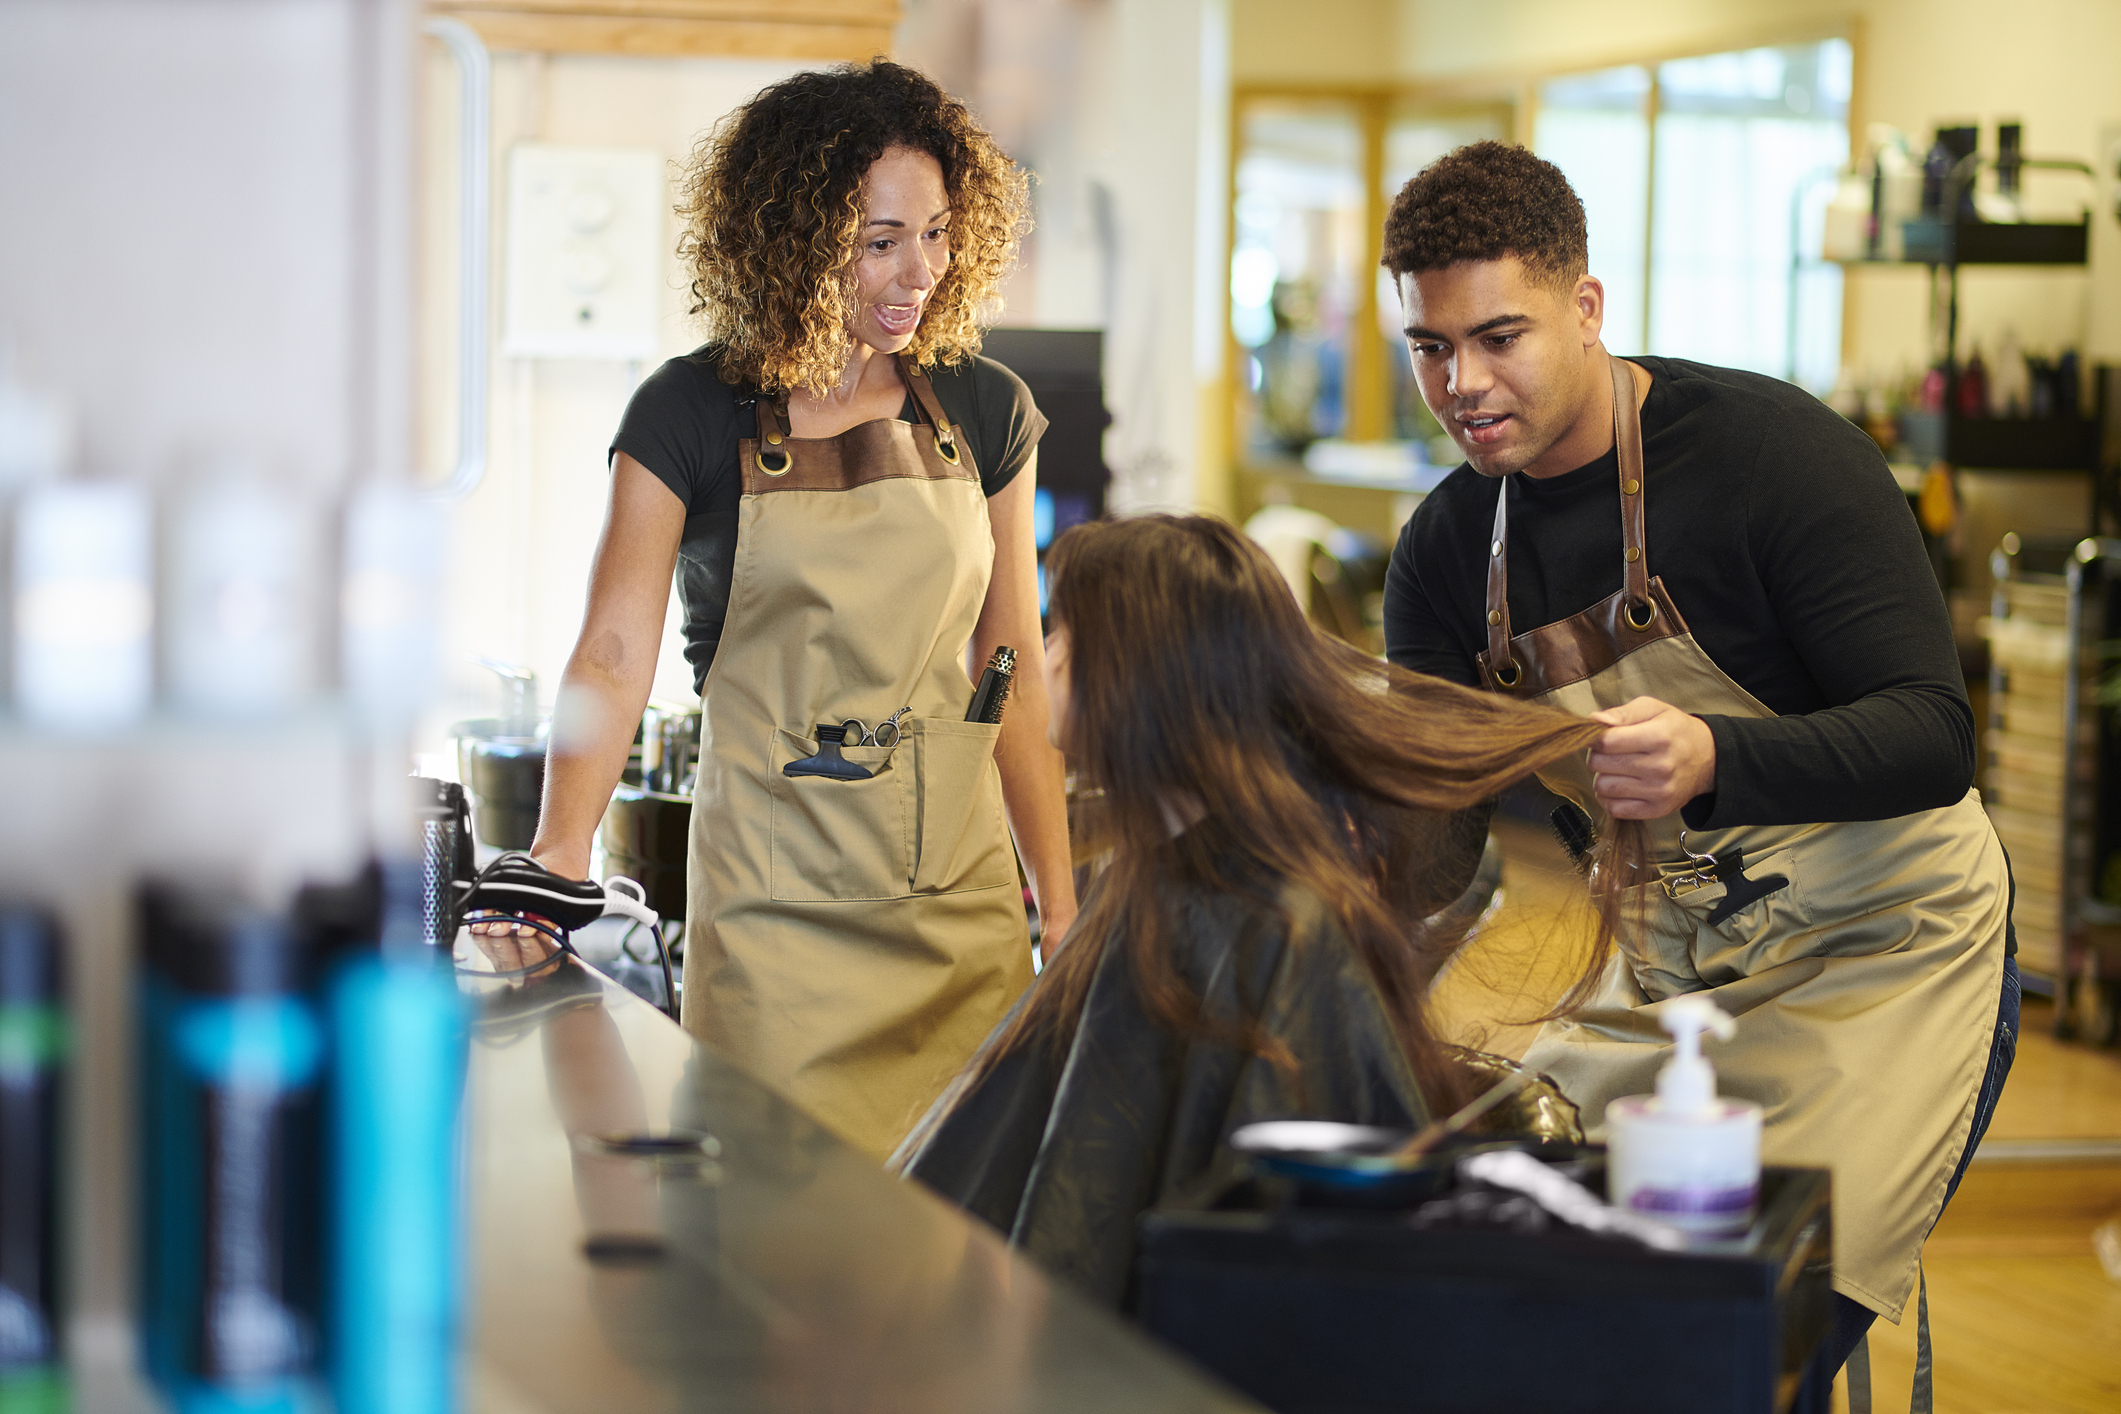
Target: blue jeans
{"x":1852,"y":1320}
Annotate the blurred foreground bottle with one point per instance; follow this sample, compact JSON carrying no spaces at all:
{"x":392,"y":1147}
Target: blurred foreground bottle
{"x":33,"y":1036}
{"x":230,"y":1054}
{"x":82,"y":600}
{"x":400,"y":1035}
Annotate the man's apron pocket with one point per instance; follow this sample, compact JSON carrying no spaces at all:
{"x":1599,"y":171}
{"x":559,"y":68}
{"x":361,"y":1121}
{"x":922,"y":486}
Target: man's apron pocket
{"x":838,"y":840}
{"x":961,"y":840}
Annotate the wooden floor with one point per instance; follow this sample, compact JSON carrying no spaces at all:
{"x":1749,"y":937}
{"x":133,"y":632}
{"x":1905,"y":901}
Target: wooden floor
{"x":2022,"y":1315}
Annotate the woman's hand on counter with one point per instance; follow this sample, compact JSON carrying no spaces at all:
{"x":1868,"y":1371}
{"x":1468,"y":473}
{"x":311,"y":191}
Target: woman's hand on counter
{"x":511,"y":945}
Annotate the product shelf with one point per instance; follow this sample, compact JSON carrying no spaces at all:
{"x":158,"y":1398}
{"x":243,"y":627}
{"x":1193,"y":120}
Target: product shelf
{"x":2010,"y":443}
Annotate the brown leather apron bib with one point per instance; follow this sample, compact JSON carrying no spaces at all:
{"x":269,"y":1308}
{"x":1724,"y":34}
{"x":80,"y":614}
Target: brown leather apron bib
{"x":1865,"y":987}
{"x":851,"y":941}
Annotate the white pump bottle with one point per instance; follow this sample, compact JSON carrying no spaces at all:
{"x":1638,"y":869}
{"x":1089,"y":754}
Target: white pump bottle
{"x":1684,"y":1155}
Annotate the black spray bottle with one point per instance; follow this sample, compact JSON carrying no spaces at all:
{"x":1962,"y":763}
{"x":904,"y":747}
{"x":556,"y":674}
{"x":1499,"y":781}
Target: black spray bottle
{"x":33,"y":1044}
{"x":231,"y":1051}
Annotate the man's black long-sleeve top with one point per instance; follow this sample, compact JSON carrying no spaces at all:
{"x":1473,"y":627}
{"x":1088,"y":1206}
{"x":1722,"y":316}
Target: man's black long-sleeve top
{"x":1792,"y":555}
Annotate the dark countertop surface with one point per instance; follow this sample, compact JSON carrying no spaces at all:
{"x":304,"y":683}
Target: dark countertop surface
{"x":794,"y":1274}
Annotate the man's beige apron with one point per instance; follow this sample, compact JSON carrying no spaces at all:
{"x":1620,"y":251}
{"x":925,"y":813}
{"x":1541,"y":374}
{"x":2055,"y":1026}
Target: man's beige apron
{"x":1865,"y":990}
{"x":851,"y":942}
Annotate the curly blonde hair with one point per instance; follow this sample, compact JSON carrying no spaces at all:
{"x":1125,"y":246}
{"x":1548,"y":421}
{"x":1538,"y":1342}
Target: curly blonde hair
{"x":772,"y":204}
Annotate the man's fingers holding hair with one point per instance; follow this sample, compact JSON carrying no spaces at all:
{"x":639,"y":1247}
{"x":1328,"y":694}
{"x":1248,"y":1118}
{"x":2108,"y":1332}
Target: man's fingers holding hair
{"x":1631,"y":712}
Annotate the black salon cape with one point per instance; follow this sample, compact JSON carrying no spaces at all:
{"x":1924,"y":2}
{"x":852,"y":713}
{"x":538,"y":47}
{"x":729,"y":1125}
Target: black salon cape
{"x":1064,"y":1150}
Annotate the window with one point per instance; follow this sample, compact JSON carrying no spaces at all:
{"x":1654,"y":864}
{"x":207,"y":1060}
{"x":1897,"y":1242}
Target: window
{"x":1295,"y":270}
{"x":1703,"y":179}
{"x":1596,"y":128}
{"x":1317,"y":322}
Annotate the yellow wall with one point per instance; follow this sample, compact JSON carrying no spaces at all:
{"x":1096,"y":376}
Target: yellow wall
{"x":1320,"y":41}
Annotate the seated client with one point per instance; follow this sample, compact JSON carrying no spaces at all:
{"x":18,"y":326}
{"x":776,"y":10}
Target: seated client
{"x":1282,"y":814}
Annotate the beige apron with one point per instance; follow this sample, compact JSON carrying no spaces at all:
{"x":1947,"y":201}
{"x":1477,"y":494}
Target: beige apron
{"x":1865,"y":989}
{"x":851,"y":942}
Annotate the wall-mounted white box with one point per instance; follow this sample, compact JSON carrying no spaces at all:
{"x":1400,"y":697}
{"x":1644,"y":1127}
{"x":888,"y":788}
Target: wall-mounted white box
{"x":585,"y":246}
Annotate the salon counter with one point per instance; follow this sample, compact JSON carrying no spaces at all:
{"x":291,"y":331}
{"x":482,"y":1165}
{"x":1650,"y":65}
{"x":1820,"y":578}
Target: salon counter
{"x":790,"y":1274}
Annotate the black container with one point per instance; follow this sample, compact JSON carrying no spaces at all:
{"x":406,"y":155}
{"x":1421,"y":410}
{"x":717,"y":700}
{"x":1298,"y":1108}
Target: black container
{"x":1335,"y":1312}
{"x":645,"y":835}
{"x":504,"y":769}
{"x":1064,"y":369}
{"x":33,"y":1036}
{"x":1953,"y":145}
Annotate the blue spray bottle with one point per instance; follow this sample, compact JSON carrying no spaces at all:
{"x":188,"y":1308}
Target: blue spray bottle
{"x":400,"y":1038}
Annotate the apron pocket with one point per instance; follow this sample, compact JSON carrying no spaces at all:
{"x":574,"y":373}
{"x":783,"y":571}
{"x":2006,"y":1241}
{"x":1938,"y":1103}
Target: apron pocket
{"x":961,"y":840}
{"x":834,"y":840}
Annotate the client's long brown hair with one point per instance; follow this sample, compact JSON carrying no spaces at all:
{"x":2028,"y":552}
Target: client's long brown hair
{"x":1194,"y":677}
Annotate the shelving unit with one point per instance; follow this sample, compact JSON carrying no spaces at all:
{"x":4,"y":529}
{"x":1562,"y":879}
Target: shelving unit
{"x":2002,"y":443}
{"x":2043,"y":740}
{"x":2041,"y":746}
{"x":2054,"y":788}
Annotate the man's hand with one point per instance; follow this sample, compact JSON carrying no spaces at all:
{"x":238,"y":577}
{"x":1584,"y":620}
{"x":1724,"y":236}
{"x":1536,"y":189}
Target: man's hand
{"x":1655,"y":759}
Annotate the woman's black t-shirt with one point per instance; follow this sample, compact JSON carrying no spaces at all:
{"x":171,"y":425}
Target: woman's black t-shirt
{"x":683,"y":424}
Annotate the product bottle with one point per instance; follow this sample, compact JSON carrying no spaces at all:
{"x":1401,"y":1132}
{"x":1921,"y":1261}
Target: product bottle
{"x":1970,"y":397}
{"x":2009,"y":386}
{"x":1896,"y":190}
{"x":1684,"y":1155}
{"x":237,"y":597}
{"x":400,"y":1038}
{"x":2010,"y":157}
{"x":230,"y":1245}
{"x":82,"y":605}
{"x":33,"y":1037}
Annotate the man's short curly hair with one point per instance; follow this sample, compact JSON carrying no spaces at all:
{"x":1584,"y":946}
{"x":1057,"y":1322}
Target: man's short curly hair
{"x":772,"y":204}
{"x":1485,"y":201}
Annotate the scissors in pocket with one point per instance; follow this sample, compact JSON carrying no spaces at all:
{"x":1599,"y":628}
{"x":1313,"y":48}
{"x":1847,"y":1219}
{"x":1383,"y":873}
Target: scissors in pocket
{"x":885,"y":734}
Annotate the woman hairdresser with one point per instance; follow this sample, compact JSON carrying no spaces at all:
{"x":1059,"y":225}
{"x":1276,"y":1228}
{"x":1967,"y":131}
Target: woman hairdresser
{"x":1280,"y":815}
{"x":846,"y":492}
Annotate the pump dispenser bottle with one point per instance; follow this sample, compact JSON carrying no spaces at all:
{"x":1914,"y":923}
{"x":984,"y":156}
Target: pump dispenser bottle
{"x":1683,"y":1154}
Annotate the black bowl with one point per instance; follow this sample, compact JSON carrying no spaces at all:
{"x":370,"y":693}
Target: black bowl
{"x":1351,"y":1165}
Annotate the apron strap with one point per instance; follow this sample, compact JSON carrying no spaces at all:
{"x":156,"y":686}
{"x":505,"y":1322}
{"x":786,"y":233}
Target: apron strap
{"x":775,"y":457}
{"x":1920,"y":1398}
{"x":1640,"y":608}
{"x":773,"y":419}
{"x":1859,"y":1373}
{"x":1627,"y":443}
{"x":924,"y":394}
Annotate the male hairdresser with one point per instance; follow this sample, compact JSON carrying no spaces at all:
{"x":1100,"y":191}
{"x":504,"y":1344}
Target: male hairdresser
{"x":1722,"y":570}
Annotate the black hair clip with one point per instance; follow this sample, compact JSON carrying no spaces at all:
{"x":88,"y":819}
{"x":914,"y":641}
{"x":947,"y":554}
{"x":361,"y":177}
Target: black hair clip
{"x":828,"y":762}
